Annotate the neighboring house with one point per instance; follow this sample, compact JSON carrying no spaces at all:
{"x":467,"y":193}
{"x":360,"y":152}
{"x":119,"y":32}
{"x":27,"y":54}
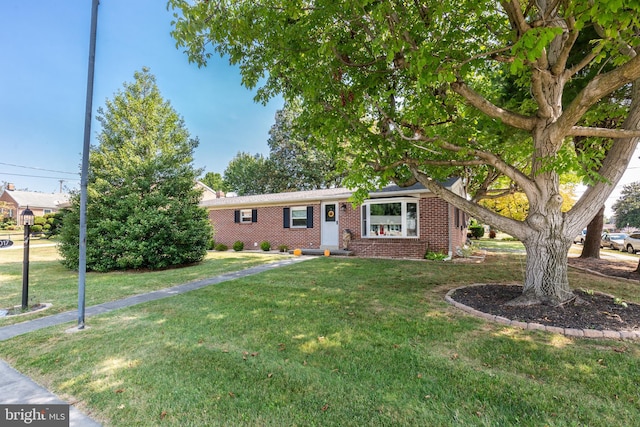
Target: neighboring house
{"x":394,"y":222}
{"x":207,"y":192}
{"x":40,"y":203}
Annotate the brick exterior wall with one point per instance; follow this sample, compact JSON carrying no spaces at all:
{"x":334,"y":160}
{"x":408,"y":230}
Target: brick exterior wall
{"x":10,"y":206}
{"x":269,"y":227}
{"x":436,"y":218}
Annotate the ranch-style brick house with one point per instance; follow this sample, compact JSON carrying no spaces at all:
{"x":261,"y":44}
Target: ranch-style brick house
{"x":395,"y":222}
{"x":15,"y":201}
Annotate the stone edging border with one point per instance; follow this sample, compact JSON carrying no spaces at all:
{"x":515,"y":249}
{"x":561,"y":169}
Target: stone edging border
{"x":45,"y":305}
{"x":578,"y":333}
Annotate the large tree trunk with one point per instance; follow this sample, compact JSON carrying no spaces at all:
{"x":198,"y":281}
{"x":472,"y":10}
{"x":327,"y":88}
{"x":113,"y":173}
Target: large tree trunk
{"x":591,"y":246}
{"x":546,"y":280}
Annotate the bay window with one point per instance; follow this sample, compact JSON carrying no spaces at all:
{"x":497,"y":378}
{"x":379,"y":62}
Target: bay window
{"x":390,"y":218}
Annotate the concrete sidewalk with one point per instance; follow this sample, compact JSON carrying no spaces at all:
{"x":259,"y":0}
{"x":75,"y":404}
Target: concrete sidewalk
{"x":16,"y":388}
{"x":19,"y":389}
{"x":11,"y":331}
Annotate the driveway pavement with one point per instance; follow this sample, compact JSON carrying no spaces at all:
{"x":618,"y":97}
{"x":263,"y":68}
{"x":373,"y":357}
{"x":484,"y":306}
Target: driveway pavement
{"x":611,"y":254}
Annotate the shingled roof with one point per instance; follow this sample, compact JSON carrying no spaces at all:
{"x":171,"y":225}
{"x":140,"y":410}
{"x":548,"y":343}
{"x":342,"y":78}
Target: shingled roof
{"x":313,"y":196}
{"x":280,"y":198}
{"x":38,"y":200}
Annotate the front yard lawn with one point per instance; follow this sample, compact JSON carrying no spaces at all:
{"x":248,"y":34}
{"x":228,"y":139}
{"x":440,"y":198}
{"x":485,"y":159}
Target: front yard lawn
{"x":335,"y":341}
{"x":50,"y":282}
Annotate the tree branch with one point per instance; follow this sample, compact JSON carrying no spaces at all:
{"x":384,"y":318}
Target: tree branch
{"x":544,"y":109}
{"x":481,"y":103}
{"x":596,"y":89}
{"x":498,"y":194}
{"x":603,"y":132}
{"x":344,"y":58}
{"x":492,"y":54}
{"x":551,"y":9}
{"x":415,"y":163}
{"x":514,"y":12}
{"x":453,"y":162}
{"x":515,"y":228}
{"x":567,"y":45}
{"x":491,"y":159}
{"x":483,"y":189}
{"x":613,"y":166}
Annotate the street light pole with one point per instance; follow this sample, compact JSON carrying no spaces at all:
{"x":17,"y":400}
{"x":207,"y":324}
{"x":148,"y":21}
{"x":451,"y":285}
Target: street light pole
{"x":27,"y":219}
{"x":82,"y":247}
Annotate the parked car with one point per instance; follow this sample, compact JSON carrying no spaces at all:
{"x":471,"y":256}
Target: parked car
{"x":632,"y":243}
{"x":613,"y":241}
{"x":580,"y":237}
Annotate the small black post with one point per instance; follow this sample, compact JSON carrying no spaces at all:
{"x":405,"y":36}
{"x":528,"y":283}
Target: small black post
{"x":27,"y":218}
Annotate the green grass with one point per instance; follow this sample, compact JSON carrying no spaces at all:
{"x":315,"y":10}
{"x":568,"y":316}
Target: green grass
{"x":499,"y":245}
{"x":335,"y":341}
{"x":50,"y":282}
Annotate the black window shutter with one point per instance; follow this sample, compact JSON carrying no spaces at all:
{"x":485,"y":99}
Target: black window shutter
{"x":236,"y":216}
{"x":286,"y":223}
{"x":254,"y":215}
{"x":309,"y":216}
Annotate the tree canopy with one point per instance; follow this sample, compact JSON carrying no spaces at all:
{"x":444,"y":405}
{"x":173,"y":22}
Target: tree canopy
{"x":299,"y":162}
{"x":142,"y":206}
{"x":248,"y":174}
{"x":421,"y":91}
{"x":627,"y":207}
{"x":295,"y":161}
{"x":214,"y":181}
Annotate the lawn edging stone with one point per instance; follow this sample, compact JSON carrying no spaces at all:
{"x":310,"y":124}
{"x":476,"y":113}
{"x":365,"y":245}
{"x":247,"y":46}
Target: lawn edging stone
{"x":570,"y":332}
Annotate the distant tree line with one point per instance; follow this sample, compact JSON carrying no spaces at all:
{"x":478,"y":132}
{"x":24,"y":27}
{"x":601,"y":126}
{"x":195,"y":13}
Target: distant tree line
{"x":296,"y":162}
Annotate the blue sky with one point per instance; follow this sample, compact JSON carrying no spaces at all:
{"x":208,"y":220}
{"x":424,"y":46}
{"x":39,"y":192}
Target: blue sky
{"x":43,"y":80}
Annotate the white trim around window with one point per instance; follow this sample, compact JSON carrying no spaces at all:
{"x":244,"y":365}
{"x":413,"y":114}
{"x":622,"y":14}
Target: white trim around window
{"x":298,"y":217}
{"x":391,"y":218}
{"x":245,"y":216}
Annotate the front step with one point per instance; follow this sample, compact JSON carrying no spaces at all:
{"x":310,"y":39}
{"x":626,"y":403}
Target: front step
{"x":320,"y":252}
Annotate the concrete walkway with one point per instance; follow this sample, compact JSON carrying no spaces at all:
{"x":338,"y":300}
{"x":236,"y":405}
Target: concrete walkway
{"x":19,"y":389}
{"x":16,"y":388}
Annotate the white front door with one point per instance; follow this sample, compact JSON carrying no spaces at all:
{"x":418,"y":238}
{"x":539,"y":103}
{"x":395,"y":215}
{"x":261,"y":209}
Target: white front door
{"x":330,"y":228}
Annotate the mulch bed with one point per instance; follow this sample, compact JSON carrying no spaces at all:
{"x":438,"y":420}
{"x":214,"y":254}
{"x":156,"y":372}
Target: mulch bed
{"x":589,"y":311}
{"x":617,"y":268}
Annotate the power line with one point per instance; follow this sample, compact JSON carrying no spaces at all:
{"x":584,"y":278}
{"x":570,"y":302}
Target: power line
{"x":40,"y":176}
{"x":35,"y":168}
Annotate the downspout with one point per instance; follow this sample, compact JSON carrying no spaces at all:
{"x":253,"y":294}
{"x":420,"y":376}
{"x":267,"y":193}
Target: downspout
{"x":449,"y":231}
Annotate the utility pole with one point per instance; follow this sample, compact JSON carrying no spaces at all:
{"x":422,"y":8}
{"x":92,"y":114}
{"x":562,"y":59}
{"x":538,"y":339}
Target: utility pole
{"x":82,"y":261}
